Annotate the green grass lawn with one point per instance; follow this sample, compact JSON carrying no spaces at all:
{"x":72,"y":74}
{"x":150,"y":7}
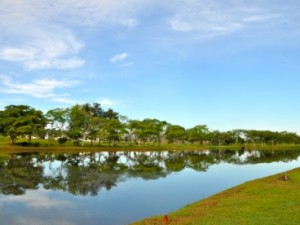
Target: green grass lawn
{"x":47,"y":145}
{"x":266,"y":201}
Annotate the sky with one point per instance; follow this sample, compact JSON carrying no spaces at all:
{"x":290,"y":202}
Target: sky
{"x":228,"y":64}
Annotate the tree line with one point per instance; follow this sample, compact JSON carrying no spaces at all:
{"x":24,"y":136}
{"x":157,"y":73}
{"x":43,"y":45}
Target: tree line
{"x":84,"y":172}
{"x":90,"y":122}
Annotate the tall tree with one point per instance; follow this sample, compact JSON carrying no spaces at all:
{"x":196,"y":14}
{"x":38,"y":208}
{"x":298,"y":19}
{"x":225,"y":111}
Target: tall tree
{"x":58,"y":119}
{"x":21,"y":120}
{"x":175,"y":133}
{"x":86,"y":120}
{"x":147,"y":130}
{"x":81,"y":120}
{"x":198,"y":133}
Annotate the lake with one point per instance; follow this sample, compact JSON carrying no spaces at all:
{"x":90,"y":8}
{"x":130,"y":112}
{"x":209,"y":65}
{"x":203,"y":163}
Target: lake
{"x":113,"y":188}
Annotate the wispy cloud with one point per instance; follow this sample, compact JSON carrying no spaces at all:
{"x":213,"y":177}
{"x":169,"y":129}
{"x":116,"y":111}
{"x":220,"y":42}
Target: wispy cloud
{"x":127,"y":64}
{"x":96,"y":12}
{"x":22,"y":220}
{"x":262,"y":17}
{"x":39,"y":88}
{"x":64,"y":100}
{"x":45,"y":49}
{"x":120,"y":60}
{"x":214,"y":18}
{"x":106,"y":102}
{"x":38,"y":35}
{"x":118,"y":57}
{"x":39,"y":199}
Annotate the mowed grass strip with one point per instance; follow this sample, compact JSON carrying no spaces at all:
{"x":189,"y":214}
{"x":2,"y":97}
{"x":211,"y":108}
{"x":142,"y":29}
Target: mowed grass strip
{"x":268,"y":201}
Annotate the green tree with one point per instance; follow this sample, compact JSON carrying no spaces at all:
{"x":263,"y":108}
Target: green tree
{"x":147,"y":130}
{"x":198,"y":133}
{"x":175,"y":133}
{"x":114,"y":130}
{"x":84,"y":120}
{"x":217,"y":137}
{"x":21,"y":120}
{"x":58,"y":119}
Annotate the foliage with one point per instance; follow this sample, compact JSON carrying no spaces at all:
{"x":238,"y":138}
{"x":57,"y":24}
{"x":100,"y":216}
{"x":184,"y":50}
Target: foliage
{"x":62,"y":140}
{"x":58,"y":121}
{"x":18,"y":120}
{"x":90,"y":122}
{"x":198,"y":133}
{"x":175,"y":133}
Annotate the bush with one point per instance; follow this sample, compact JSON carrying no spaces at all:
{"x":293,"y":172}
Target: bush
{"x":62,"y":140}
{"x":23,"y":143}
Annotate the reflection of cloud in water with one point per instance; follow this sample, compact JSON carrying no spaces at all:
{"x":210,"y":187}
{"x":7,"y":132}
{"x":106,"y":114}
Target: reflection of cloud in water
{"x":30,"y":221}
{"x":36,"y":199}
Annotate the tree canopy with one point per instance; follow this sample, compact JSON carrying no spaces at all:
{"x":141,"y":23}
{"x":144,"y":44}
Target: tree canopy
{"x":18,"y":120}
{"x":90,"y":122}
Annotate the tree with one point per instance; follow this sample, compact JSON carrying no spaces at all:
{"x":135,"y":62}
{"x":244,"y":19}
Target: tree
{"x":90,"y":121}
{"x":81,"y":117}
{"x":114,"y":130}
{"x":217,"y":137}
{"x":175,"y":133}
{"x":58,"y":119}
{"x":147,"y":130}
{"x":198,"y":133}
{"x":21,"y":120}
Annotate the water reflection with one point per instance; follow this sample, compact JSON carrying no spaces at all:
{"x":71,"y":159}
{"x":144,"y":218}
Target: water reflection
{"x":88,"y":173}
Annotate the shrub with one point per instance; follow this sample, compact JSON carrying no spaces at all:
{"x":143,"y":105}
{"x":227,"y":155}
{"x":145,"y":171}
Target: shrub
{"x":62,"y":140}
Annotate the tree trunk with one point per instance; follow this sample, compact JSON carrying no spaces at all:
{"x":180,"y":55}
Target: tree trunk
{"x":12,"y":139}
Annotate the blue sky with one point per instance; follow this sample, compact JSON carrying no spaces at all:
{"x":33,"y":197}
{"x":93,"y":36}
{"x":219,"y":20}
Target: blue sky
{"x":224,"y":63}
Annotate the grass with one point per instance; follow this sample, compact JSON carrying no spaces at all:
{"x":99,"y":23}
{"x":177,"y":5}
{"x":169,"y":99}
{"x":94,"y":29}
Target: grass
{"x":50,"y":146}
{"x":268,"y":201}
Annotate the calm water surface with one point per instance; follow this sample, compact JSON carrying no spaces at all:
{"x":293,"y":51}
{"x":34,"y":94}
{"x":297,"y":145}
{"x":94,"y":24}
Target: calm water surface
{"x":121,"y":187}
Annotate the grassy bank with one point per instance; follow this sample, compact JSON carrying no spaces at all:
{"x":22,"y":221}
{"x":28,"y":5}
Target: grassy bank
{"x":269,"y":201}
{"x":49,"y":146}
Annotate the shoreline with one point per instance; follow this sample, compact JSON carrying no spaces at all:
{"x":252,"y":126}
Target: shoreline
{"x":269,"y":200}
{"x":6,"y":148}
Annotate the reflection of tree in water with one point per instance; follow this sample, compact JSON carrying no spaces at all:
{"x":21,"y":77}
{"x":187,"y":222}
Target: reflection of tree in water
{"x":18,"y":173}
{"x":272,"y":156}
{"x":88,"y":173}
{"x":146,"y":165}
{"x":200,"y":161}
{"x":175,"y":161}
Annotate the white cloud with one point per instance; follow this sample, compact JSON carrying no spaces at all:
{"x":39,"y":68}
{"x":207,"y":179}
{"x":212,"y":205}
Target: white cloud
{"x":262,"y":18}
{"x":106,"y":102}
{"x":38,"y":34}
{"x":21,"y":220}
{"x":64,"y":100}
{"x":41,"y":88}
{"x":97,"y":12}
{"x":119,"y":57}
{"x":40,"y":199}
{"x":127,"y":64}
{"x":32,"y":36}
{"x":37,"y":200}
{"x":213,"y":18}
{"x":44,"y":49}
